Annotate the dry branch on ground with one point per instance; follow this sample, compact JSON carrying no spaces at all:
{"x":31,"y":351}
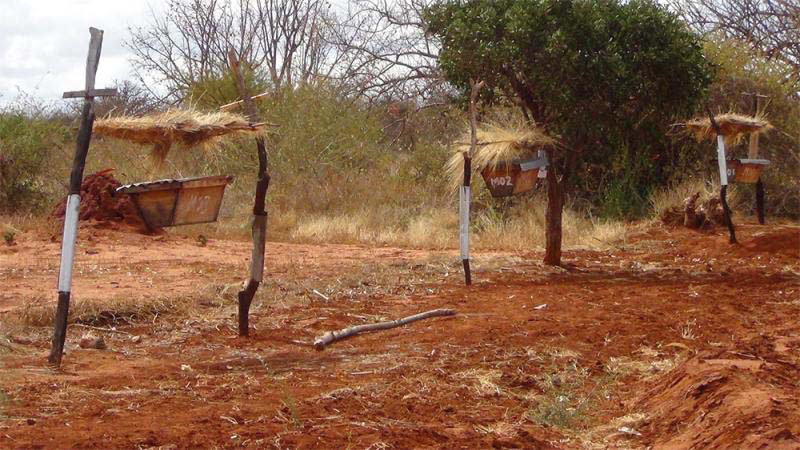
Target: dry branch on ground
{"x":332,"y":336}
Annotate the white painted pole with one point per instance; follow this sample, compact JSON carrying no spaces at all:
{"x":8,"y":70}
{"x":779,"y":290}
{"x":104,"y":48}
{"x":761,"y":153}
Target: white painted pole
{"x":543,"y":169}
{"x":68,"y":242}
{"x":259,"y":241}
{"x":723,"y":166}
{"x":463,"y":215}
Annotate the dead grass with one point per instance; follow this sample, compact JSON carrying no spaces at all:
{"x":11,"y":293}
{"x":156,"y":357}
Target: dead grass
{"x":732,"y":126}
{"x":521,"y":230}
{"x":39,"y":312}
{"x":483,"y":382}
{"x":186,"y":127}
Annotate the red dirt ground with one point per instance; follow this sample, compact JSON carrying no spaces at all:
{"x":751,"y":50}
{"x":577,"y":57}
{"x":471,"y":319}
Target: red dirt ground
{"x":675,"y":339}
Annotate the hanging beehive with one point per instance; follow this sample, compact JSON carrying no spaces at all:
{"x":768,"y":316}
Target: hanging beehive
{"x":508,"y":158}
{"x":186,"y":201}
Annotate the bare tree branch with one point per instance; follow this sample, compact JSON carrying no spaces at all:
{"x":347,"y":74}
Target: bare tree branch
{"x":772,"y":27}
{"x":285,"y":42}
{"x":386,"y":52}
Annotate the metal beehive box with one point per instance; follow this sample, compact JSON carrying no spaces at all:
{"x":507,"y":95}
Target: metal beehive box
{"x":166,"y":203}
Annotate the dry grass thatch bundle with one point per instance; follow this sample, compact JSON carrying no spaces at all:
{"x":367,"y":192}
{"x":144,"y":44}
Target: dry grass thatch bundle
{"x":185,"y":127}
{"x":732,"y":126}
{"x":497,"y":145}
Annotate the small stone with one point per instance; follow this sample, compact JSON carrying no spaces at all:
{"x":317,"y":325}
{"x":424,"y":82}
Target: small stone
{"x":136,"y":339}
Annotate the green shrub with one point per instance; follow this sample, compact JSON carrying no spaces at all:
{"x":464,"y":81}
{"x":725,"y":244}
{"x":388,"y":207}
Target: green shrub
{"x":26,"y":146}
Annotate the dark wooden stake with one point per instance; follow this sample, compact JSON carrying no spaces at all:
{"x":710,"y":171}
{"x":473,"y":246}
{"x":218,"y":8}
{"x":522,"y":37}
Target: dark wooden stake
{"x":73,"y":199}
{"x":760,"y":201}
{"x":723,"y":191}
{"x":259,"y":229}
{"x":553,"y":215}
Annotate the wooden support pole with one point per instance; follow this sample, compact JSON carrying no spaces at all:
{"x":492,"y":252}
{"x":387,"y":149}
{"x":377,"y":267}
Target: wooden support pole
{"x":74,"y":199}
{"x":760,"y":201}
{"x":332,"y":336}
{"x":463,"y":218}
{"x":723,"y":178}
{"x":752,"y":153}
{"x":464,"y":190}
{"x":259,"y":228}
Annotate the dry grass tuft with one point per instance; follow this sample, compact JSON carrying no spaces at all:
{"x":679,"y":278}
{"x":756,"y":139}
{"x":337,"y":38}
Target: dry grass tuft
{"x":39,"y":312}
{"x":732,"y":126}
{"x":497,"y":145}
{"x":185,"y":127}
{"x":485,"y":381}
{"x":624,"y":365}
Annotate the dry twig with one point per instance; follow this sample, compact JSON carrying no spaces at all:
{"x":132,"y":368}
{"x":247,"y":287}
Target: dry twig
{"x":332,"y":336}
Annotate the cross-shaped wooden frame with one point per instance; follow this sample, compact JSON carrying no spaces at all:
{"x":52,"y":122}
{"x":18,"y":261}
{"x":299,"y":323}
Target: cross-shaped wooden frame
{"x":74,"y":198}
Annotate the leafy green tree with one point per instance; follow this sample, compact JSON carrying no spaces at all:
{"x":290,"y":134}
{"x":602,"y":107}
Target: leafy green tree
{"x":606,"y":78}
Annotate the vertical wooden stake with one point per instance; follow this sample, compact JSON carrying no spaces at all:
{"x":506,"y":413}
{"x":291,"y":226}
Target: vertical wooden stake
{"x":259,"y":229}
{"x":463,"y":218}
{"x":74,"y":198}
{"x":723,"y":179}
{"x":760,"y":201}
{"x":464,"y":190}
{"x":752,"y":153}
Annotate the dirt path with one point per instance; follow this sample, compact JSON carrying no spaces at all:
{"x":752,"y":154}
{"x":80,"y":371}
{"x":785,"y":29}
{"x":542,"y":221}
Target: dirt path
{"x":675,"y":339}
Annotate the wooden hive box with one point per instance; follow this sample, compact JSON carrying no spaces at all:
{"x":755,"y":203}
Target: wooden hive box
{"x":513,"y":178}
{"x":746,"y":170}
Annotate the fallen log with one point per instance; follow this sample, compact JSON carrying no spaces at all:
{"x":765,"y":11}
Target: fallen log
{"x":332,"y":336}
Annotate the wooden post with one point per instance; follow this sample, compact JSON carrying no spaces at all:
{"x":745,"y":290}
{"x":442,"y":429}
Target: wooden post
{"x":553,"y":214}
{"x":752,"y":153}
{"x":464,"y":190}
{"x":723,"y":178}
{"x":760,"y":201}
{"x":259,"y":228}
{"x":463,"y":218}
{"x":74,"y":199}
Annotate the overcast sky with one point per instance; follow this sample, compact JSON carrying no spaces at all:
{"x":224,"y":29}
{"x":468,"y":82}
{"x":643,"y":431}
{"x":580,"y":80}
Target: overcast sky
{"x":43,"y":43}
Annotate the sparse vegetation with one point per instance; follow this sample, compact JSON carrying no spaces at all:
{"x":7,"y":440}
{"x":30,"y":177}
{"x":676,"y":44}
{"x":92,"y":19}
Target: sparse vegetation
{"x":646,"y":336}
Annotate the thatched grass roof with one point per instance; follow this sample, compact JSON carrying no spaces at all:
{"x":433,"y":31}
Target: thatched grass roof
{"x":497,"y":145}
{"x":732,"y":126}
{"x":184,"y":127}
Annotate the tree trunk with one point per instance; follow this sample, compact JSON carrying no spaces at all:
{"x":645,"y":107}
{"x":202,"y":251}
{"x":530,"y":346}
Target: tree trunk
{"x":555,"y":205}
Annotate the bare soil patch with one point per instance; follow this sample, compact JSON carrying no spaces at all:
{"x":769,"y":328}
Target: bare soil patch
{"x":675,"y":339}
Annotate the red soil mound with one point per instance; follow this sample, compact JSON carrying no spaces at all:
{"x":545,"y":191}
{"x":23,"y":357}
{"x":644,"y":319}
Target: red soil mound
{"x":780,"y":241}
{"x":104,"y":207}
{"x":725,"y":399}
